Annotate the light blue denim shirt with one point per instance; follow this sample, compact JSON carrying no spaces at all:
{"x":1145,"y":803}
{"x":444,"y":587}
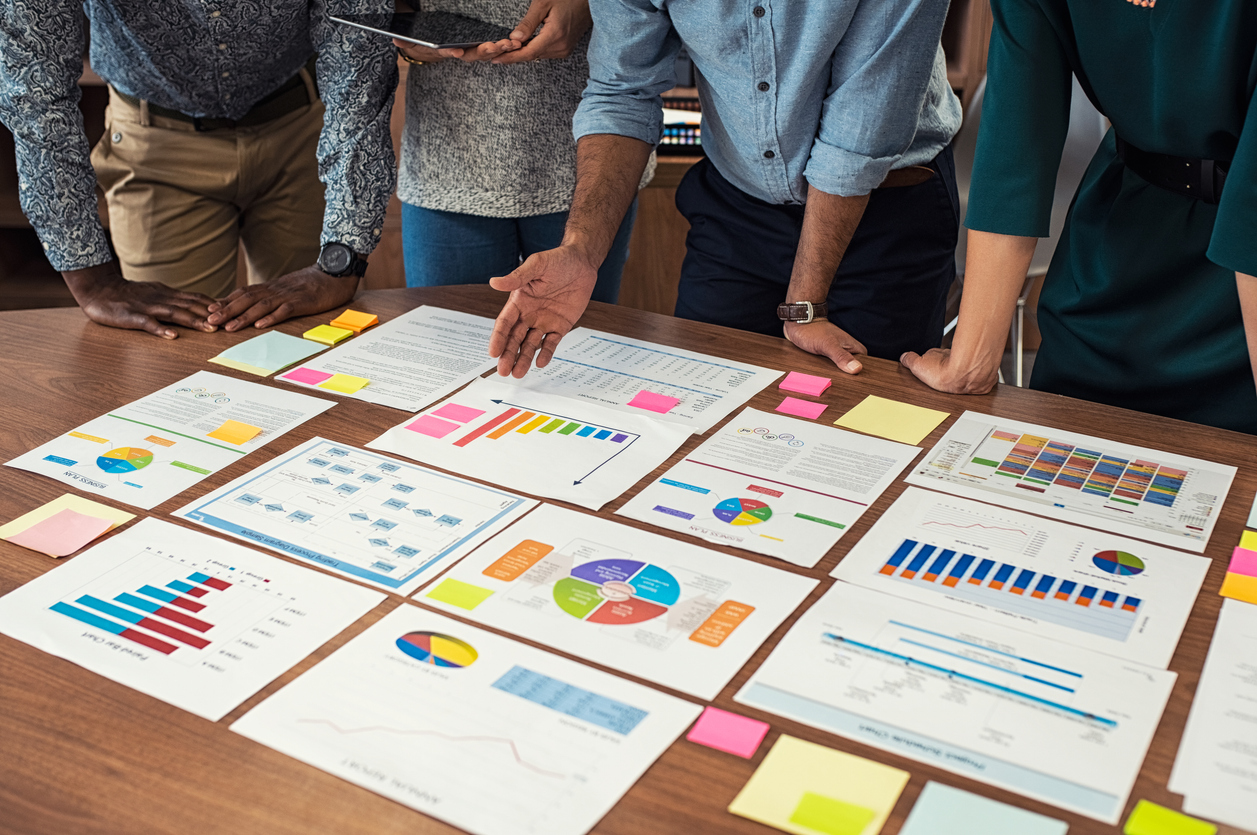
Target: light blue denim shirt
{"x":835,"y":93}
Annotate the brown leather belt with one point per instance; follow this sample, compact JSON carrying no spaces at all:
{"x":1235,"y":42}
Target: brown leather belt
{"x":913,"y":175}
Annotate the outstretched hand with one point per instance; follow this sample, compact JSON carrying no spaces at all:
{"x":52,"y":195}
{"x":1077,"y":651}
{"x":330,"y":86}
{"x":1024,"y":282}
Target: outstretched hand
{"x":825,"y":338}
{"x":109,"y":299}
{"x":301,"y":293}
{"x":549,"y":292}
{"x":939,"y":371}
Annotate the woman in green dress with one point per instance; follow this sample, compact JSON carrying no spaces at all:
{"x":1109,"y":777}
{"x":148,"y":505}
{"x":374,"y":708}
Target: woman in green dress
{"x":1150,"y":292}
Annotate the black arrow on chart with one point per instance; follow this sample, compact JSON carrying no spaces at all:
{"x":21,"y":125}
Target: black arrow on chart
{"x":632,"y":435}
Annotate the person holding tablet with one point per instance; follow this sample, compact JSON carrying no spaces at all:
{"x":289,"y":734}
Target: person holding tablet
{"x":1150,"y":302}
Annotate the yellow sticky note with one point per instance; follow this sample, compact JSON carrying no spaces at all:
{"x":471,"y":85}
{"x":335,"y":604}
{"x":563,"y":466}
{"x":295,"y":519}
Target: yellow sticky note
{"x":344,"y":383}
{"x":1150,"y":819}
{"x":87,"y":507}
{"x":235,"y":432}
{"x":355,"y":321}
{"x":327,"y":334}
{"x":1249,"y":540}
{"x":460,"y":594}
{"x":884,"y":418}
{"x":805,"y":788}
{"x":1240,"y":587}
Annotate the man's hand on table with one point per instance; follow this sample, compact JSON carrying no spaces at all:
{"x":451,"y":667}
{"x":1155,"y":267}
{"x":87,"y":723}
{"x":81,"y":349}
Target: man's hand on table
{"x":109,"y":299}
{"x":826,"y":339}
{"x":565,"y":23}
{"x":549,"y":292}
{"x":302,"y":293}
{"x":939,"y":369}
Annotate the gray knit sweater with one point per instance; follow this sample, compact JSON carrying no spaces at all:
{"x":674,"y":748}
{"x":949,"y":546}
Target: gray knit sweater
{"x":494,"y":141}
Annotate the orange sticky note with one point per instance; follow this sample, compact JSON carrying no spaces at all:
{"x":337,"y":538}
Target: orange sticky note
{"x":235,"y":432}
{"x":355,"y":321}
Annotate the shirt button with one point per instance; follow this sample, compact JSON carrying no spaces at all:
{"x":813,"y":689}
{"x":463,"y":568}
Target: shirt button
{"x":215,"y":13}
{"x":763,"y":86}
{"x":769,"y":155}
{"x":117,"y":137}
{"x":375,"y":231}
{"x":758,"y":11}
{"x":226,"y":75}
{"x":222,"y":46}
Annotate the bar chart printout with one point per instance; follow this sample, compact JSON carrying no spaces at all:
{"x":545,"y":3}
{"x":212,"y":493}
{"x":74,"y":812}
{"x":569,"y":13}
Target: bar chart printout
{"x":487,"y":734}
{"x":1157,"y":496}
{"x":1053,"y":722}
{"x":184,"y":617}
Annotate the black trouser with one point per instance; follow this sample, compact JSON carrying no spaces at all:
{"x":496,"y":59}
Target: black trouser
{"x":890,"y":291}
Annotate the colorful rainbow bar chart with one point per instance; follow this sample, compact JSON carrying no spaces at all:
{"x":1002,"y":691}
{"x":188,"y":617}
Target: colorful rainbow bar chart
{"x":1019,"y":590}
{"x":159,"y":611}
{"x":524,"y":422}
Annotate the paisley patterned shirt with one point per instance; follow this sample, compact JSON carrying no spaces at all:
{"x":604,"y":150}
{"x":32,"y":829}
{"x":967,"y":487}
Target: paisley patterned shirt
{"x":207,"y":58}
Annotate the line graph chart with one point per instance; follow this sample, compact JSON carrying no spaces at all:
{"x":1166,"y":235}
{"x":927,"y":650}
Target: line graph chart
{"x":986,"y":529}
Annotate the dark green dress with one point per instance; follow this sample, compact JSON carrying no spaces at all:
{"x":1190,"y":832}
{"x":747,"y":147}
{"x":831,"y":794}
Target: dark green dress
{"x":1139,"y":308}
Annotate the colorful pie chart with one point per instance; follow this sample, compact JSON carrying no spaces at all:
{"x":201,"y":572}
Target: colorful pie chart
{"x":125,"y":459}
{"x":742,"y":511}
{"x":437,"y":649}
{"x":617,"y":592}
{"x":1118,"y":562}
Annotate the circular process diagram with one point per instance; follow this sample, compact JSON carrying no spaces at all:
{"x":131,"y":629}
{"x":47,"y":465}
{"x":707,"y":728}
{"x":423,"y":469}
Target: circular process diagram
{"x":742,"y":511}
{"x":617,"y":592}
{"x":126,"y":459}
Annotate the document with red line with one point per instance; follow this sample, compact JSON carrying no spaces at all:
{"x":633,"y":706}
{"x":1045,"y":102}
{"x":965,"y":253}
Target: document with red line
{"x":773,"y":485}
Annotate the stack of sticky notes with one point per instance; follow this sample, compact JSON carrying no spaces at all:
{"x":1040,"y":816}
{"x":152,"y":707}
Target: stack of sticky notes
{"x":1148,"y":818}
{"x":805,"y":383}
{"x":327,"y":334}
{"x":801,"y":408}
{"x":353,"y":320}
{"x":891,"y":419}
{"x":264,"y":355}
{"x":235,"y":432}
{"x":652,"y":402}
{"x":1241,"y":575}
{"x":64,"y":525}
{"x":728,"y":732}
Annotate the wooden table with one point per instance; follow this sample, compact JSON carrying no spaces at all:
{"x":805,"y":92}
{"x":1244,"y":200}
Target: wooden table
{"x":79,"y":753}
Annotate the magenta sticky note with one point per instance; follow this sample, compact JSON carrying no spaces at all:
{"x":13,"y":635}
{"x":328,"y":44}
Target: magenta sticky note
{"x":453,"y":411}
{"x":802,"y":408}
{"x":805,"y":383}
{"x":728,"y":732}
{"x":307,"y":375}
{"x":62,"y":533}
{"x":652,"y":402}
{"x":1243,"y":561}
{"x":432,"y":427}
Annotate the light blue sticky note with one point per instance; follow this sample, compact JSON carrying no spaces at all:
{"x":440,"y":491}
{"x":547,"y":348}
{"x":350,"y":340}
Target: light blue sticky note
{"x":268,"y":353}
{"x":1252,"y":515}
{"x":942,"y":810}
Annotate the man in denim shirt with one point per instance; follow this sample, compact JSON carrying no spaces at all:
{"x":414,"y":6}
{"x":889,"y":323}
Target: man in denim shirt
{"x":828,"y":181}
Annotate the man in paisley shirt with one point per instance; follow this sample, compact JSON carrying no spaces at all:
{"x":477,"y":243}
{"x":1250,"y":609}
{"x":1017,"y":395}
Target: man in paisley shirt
{"x":215,"y":135}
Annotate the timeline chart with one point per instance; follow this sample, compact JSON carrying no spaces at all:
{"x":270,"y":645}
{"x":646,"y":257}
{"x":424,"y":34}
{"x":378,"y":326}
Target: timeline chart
{"x":1026,"y":590}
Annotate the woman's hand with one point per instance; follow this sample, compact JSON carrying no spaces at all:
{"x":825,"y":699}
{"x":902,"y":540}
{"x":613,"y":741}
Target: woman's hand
{"x":563,"y":23}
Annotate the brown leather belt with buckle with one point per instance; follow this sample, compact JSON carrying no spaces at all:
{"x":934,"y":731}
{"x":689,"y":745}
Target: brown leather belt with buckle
{"x":1201,"y":179}
{"x":290,"y":96}
{"x":913,"y":175}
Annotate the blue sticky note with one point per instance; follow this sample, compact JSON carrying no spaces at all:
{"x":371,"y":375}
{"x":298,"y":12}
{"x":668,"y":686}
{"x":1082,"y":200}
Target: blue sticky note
{"x":268,"y":353}
{"x":942,"y":810}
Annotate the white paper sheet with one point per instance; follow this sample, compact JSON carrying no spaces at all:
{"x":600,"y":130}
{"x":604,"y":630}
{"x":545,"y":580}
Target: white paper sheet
{"x":1134,"y":491}
{"x":153,"y":449}
{"x":487,"y":734}
{"x":1096,"y":590}
{"x":184,"y":617}
{"x":610,"y":370}
{"x":1051,"y":721}
{"x":538,"y":443}
{"x":386,"y":522}
{"x":677,"y":614}
{"x":774,"y":485}
{"x":1216,"y":767}
{"x":412,"y":360}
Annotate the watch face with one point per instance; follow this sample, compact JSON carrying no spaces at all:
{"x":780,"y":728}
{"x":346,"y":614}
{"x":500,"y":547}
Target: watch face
{"x":335,"y":259}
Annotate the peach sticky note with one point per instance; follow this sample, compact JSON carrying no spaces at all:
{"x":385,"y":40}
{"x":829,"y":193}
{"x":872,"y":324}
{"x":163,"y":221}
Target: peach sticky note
{"x":235,"y":432}
{"x":86,"y":507}
{"x":1239,"y":587}
{"x":355,"y":321}
{"x":728,"y":732}
{"x":344,"y":383}
{"x":652,"y":402}
{"x":1243,"y":561}
{"x":62,"y":533}
{"x":884,"y":418}
{"x":802,"y":408}
{"x":431,"y":426}
{"x":462,"y":414}
{"x":307,"y":375}
{"x":327,"y":334}
{"x":805,"y":383}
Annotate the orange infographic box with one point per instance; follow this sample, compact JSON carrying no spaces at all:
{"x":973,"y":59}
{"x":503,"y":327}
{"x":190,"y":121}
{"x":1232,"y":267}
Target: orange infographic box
{"x":516,"y":561}
{"x":721,"y":623}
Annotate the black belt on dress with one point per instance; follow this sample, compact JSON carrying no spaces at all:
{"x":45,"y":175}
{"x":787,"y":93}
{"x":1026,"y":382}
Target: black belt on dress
{"x":1201,"y":179}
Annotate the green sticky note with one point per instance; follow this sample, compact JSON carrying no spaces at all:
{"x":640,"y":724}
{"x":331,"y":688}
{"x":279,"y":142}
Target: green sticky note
{"x":460,"y":594}
{"x":1148,"y":818}
{"x":831,"y":816}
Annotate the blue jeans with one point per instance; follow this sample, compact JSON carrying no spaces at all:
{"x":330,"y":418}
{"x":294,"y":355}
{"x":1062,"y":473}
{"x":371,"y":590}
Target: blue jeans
{"x":450,"y":248}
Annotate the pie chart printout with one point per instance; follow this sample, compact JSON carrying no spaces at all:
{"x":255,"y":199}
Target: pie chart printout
{"x":617,"y":592}
{"x":124,"y":460}
{"x":437,"y":649}
{"x":1118,"y":562}
{"x":742,"y":511}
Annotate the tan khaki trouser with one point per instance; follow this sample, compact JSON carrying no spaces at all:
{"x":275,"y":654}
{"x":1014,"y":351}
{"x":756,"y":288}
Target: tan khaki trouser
{"x":181,"y":201}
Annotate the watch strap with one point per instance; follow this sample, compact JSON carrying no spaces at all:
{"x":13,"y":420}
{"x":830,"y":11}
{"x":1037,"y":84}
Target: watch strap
{"x":802,"y":312}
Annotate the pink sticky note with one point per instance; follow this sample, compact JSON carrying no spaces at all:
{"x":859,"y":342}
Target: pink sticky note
{"x":805,"y":383}
{"x":802,"y":408}
{"x":1243,"y":561}
{"x":62,"y":533}
{"x":728,"y":732}
{"x":432,"y":427}
{"x":307,"y":375}
{"x":462,"y":414}
{"x":652,"y":402}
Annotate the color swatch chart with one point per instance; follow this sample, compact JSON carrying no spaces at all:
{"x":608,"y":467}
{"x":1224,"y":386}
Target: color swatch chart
{"x":523,"y":422}
{"x":1023,"y":590}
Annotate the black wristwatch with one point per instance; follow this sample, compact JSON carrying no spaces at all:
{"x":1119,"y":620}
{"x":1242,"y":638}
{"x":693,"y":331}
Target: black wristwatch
{"x":802,"y":312}
{"x":336,"y":259}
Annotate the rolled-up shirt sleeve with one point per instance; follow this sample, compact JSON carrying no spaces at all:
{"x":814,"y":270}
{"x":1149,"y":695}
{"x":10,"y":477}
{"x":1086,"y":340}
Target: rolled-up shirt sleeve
{"x":632,"y":62}
{"x":41,"y":60}
{"x":357,"y":74}
{"x":879,"y":77}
